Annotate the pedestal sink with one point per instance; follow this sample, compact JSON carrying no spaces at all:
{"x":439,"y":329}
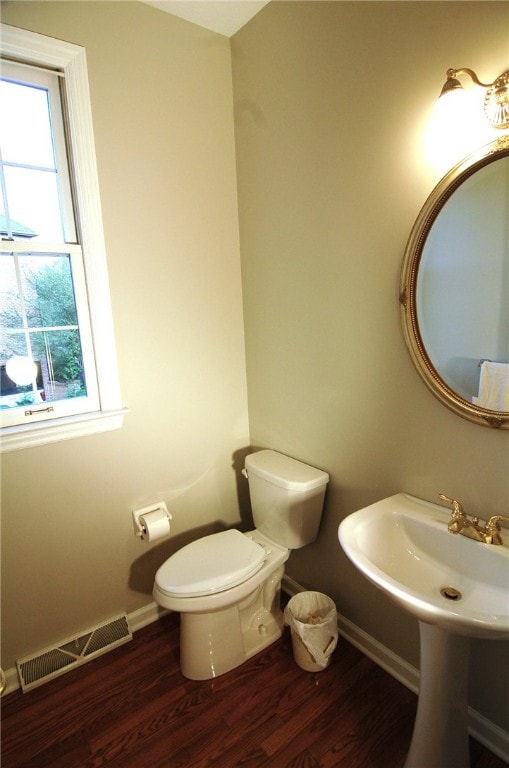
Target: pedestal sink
{"x":455,"y":587}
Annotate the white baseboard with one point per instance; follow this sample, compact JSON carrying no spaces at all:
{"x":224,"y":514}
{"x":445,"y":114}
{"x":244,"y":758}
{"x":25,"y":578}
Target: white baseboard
{"x":12,"y":681}
{"x":482,"y":729}
{"x":144,"y":616}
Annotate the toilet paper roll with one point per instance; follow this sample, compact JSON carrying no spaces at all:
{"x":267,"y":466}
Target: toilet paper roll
{"x":155,"y":525}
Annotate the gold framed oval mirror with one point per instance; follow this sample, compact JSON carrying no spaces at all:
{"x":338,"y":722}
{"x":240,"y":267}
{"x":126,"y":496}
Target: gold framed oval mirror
{"x":454,"y":288}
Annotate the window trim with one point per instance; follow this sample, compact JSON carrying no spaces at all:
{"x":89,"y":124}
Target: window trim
{"x":70,"y":59}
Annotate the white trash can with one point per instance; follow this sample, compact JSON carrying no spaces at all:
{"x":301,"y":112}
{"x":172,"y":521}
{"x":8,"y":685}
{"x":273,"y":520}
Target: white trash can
{"x":312,"y":618}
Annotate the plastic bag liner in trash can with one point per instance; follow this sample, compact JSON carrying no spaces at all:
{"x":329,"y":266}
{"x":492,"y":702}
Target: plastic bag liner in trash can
{"x":312,"y":618}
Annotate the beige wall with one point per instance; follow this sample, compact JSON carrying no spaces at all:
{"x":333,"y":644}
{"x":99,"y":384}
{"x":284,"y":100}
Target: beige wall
{"x":162,"y":110}
{"x":331,"y":103}
{"x":330,"y":183}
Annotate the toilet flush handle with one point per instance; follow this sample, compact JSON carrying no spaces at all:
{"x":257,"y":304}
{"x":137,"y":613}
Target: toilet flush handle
{"x":244,"y":472}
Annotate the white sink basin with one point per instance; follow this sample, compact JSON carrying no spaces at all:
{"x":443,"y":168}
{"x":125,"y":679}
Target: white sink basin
{"x":403,"y":546}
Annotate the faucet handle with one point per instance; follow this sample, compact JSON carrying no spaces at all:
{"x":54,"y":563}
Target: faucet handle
{"x":457,"y":507}
{"x":492,"y":530}
{"x":493,"y":523}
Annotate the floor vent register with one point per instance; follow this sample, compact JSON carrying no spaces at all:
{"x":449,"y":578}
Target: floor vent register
{"x":52,"y":662}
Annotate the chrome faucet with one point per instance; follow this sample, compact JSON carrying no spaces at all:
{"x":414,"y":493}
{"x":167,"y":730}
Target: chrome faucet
{"x":488,"y":533}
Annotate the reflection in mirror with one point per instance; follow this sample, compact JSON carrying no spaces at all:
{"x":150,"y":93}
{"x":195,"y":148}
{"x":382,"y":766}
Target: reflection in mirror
{"x":455,"y":288}
{"x":463,"y":282}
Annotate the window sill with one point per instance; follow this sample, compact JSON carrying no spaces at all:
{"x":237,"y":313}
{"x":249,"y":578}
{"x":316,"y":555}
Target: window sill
{"x":31,"y":435}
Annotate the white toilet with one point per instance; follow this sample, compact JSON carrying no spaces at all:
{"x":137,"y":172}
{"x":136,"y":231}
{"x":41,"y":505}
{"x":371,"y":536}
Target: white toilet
{"x":227,"y":586}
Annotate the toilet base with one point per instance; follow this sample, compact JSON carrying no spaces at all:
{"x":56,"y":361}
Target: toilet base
{"x":212,"y":644}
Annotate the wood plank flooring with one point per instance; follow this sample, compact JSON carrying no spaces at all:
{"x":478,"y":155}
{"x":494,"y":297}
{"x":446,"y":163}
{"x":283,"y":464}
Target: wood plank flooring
{"x":133,"y":708}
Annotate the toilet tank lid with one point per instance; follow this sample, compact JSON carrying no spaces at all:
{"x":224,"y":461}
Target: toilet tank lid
{"x":285,"y":471}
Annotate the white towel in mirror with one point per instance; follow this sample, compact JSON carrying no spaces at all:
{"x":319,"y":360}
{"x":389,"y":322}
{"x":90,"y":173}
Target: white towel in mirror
{"x":493,"y":386}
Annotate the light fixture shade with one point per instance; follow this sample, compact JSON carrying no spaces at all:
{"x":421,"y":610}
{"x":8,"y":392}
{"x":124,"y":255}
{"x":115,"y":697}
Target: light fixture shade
{"x":496,"y":102}
{"x":496,"y":99}
{"x":451,"y":84}
{"x":456,"y":124}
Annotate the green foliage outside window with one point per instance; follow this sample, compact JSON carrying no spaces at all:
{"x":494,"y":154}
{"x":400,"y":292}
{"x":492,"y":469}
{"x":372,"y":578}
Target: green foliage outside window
{"x":50,"y":305}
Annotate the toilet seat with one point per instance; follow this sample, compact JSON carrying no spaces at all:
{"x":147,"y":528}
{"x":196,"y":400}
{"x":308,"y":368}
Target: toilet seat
{"x":211,"y":564}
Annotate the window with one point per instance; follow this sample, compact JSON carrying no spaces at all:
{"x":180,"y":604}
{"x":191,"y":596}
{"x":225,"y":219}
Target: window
{"x":58,"y":376}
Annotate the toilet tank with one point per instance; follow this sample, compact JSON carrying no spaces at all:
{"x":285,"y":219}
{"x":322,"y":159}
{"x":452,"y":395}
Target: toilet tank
{"x":286,"y":497}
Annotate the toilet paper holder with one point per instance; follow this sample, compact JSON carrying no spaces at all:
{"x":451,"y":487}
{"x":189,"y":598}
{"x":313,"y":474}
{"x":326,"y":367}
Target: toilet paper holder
{"x":139,"y":527}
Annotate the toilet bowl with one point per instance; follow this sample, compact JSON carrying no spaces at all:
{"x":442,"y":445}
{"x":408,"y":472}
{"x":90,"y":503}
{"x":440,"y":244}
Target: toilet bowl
{"x":233,"y":617}
{"x":226,"y":586}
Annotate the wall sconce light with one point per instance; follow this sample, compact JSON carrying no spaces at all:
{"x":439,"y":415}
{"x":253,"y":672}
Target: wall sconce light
{"x":496,"y":99}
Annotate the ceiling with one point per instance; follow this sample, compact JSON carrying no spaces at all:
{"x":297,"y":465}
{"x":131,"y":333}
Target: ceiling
{"x":223,"y":16}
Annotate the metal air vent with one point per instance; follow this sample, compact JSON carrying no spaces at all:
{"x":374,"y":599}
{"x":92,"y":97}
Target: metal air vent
{"x":38,"y":668}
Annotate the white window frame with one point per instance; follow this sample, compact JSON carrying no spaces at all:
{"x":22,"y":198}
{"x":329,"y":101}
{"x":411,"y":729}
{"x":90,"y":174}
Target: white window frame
{"x":70,"y":59}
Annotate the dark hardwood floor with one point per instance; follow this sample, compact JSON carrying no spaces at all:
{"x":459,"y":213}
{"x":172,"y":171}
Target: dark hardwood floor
{"x":132,"y":708}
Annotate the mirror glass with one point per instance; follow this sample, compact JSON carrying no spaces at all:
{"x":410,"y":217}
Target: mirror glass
{"x":455,"y":288}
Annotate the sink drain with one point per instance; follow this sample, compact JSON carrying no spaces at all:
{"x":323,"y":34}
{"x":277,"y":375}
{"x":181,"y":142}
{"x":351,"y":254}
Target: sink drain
{"x":450,"y":593}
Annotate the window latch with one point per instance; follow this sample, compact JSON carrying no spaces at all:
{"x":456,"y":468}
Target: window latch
{"x":40,"y":410}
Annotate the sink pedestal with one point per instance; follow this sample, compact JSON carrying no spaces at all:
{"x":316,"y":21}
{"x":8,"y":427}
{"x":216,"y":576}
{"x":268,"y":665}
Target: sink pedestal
{"x":440,"y":737}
